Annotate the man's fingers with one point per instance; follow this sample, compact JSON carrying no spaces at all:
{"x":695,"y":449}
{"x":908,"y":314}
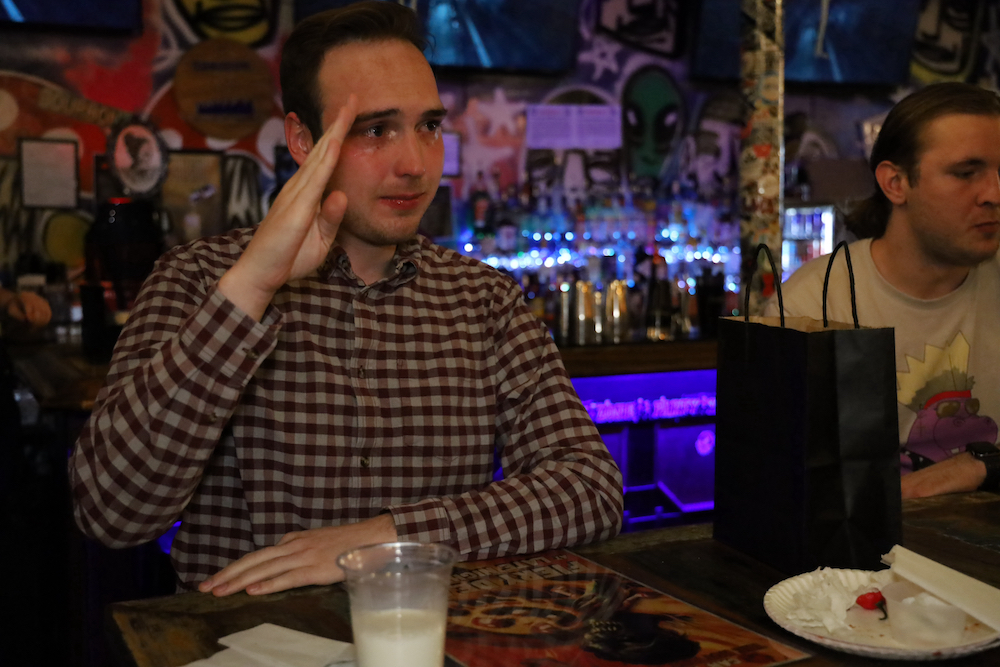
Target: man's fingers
{"x":301,"y":558}
{"x":234,"y":570}
{"x":331,"y":214}
{"x":257,"y":572}
{"x":323,"y":157}
{"x":307,"y":184}
{"x":306,"y":575}
{"x":17,"y":309}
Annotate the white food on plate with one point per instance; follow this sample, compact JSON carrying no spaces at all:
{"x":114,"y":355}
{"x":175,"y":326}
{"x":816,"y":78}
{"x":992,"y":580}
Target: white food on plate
{"x":825,"y":604}
{"x":918,"y":618}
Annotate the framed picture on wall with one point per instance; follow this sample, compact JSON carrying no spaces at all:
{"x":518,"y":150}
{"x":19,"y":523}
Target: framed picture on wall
{"x":137,"y":157}
{"x":192,"y":194}
{"x":50,"y":174}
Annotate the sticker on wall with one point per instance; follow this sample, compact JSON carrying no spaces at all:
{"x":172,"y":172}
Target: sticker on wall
{"x":192,"y":195}
{"x":578,"y":172}
{"x":224,"y":89}
{"x":138,"y":158}
{"x":49,"y":175}
{"x":241,"y":183}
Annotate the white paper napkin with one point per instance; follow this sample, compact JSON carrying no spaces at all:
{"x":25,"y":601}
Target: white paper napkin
{"x":979,"y":600}
{"x":269,"y":645}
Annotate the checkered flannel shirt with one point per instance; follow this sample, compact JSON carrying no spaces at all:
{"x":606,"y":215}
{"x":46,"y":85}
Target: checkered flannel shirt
{"x":344,"y":402}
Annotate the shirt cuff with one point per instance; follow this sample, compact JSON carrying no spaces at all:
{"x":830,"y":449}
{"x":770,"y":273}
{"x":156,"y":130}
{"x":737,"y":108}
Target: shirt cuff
{"x":424,"y":521}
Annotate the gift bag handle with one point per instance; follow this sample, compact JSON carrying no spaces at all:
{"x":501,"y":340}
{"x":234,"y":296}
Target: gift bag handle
{"x":850,"y":277}
{"x":777,"y":284}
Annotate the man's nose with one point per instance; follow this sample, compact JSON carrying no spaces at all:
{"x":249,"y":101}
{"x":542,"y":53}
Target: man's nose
{"x":410,"y":160}
{"x":991,"y":194}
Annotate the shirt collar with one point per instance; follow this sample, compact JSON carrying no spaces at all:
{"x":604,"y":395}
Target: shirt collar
{"x":406,"y":263}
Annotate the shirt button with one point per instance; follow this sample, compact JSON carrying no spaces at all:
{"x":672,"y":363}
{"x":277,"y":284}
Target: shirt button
{"x":365,"y":462}
{"x":361,"y":372}
{"x":251,"y":353}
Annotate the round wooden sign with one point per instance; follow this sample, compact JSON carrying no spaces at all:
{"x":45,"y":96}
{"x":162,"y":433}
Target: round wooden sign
{"x":224,"y":89}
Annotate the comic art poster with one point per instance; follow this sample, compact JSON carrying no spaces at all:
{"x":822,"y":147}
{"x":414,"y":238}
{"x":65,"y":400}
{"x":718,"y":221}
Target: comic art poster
{"x":558,"y":609}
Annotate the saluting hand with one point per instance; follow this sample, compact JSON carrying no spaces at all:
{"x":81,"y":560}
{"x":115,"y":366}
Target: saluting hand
{"x":296,"y":235}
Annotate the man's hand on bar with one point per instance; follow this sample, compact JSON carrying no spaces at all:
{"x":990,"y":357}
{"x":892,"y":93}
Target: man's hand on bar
{"x":25,"y":307}
{"x":959,"y":473}
{"x":296,"y":235}
{"x":301,"y":558}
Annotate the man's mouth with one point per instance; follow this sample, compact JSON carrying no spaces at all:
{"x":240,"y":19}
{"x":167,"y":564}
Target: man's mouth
{"x":402,"y":201}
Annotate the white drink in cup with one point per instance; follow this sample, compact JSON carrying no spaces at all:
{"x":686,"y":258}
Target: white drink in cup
{"x":399,"y":602}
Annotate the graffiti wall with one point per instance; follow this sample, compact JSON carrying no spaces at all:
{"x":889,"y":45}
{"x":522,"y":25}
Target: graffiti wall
{"x":677,"y":129}
{"x":61,"y":86}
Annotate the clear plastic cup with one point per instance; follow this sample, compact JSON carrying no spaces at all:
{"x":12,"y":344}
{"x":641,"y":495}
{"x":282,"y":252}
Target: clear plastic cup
{"x":917,"y":618}
{"x":399,"y":602}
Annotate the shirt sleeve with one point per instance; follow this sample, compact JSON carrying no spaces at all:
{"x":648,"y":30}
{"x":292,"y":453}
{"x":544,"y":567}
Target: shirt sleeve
{"x":177,"y":374}
{"x":561,"y":486}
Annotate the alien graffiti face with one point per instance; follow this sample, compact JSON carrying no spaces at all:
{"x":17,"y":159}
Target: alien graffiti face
{"x":946,"y":35}
{"x":652,"y":118}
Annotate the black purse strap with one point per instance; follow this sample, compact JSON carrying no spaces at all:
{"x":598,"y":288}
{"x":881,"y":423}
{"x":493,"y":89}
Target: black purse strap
{"x":777,"y":284}
{"x":850,"y":277}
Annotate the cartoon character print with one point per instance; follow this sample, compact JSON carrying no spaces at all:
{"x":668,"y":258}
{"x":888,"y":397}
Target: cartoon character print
{"x":939,"y":390}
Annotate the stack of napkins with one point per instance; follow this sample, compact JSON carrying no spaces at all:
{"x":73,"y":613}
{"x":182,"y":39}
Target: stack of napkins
{"x":270,"y":645}
{"x":977,"y":599}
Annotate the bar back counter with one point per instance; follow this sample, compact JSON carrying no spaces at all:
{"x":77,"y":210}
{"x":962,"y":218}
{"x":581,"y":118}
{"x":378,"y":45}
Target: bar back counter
{"x":654,"y":404}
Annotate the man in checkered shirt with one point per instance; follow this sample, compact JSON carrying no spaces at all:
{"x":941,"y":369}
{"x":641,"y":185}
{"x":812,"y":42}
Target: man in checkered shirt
{"x":330,"y":379}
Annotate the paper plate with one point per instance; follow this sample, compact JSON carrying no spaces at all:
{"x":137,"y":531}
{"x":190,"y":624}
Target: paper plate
{"x":865,"y":635}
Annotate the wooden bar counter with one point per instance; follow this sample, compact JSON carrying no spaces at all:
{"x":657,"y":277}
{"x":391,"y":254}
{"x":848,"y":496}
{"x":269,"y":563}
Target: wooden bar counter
{"x":630,"y":358}
{"x":961,"y":531}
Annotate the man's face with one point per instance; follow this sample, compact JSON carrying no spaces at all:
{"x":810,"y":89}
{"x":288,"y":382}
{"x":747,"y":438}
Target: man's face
{"x":392,"y":158}
{"x":953,"y":209}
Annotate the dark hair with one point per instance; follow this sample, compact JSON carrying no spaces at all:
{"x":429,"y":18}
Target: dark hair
{"x":901,"y":142}
{"x":313,"y":37}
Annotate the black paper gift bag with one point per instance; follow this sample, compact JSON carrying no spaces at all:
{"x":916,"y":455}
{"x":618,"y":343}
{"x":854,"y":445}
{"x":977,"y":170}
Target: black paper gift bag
{"x":807,"y":441}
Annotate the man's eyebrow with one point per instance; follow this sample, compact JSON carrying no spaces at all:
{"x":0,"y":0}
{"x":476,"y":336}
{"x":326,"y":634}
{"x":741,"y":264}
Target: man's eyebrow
{"x":375,"y":115}
{"x":390,"y":113}
{"x":968,"y":162}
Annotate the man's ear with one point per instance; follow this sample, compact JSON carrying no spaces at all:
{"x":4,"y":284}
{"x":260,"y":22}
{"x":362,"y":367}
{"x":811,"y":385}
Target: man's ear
{"x":893,"y":181}
{"x":298,"y":138}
